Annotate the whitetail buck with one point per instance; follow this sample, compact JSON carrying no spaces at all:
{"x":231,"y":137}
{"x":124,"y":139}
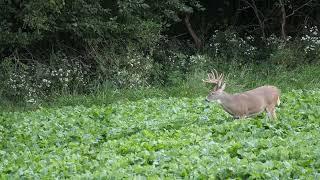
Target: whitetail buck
{"x":245,"y":104}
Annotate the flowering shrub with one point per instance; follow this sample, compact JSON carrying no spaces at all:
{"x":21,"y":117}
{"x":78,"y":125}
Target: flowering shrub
{"x":33,"y":82}
{"x":178,"y":61}
{"x":134,"y":70}
{"x":19,"y":85}
{"x":198,"y":61}
{"x":231,"y":45}
{"x":166,"y":63}
{"x":274,"y":42}
{"x":289,"y":53}
{"x":311,"y":43}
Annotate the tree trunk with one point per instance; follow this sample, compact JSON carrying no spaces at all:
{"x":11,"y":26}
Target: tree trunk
{"x":283,"y":21}
{"x":262,"y":30}
{"x":195,"y":38}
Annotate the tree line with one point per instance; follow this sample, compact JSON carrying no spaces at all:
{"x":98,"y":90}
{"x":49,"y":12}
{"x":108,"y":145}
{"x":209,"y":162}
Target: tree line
{"x":33,"y":26}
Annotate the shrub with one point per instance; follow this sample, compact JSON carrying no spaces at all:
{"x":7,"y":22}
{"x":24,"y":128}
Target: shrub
{"x":311,"y":44}
{"x":34,"y":81}
{"x":134,"y":70}
{"x":229,"y":44}
{"x":296,"y":52}
{"x":286,"y":56}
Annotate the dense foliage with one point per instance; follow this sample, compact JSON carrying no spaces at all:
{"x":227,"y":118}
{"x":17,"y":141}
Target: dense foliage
{"x":100,"y":53}
{"x":50,"y":47}
{"x":175,"y":137}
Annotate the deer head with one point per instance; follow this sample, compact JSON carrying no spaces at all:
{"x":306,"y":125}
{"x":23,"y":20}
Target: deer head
{"x":218,"y":90}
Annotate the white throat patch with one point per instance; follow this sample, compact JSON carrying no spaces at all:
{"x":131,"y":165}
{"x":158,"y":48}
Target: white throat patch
{"x":218,"y":100}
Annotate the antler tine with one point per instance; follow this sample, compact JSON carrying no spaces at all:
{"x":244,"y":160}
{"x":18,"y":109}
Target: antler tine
{"x":218,"y":77}
{"x":221,"y":77}
{"x":214,"y":77}
{"x":220,"y":80}
{"x":208,"y":80}
{"x":216,"y":72}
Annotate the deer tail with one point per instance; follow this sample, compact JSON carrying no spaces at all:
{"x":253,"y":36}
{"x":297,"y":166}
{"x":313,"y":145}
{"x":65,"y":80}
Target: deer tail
{"x":278,"y":101}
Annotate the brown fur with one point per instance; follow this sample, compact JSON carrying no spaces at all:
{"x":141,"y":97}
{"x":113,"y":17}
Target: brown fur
{"x":249,"y":103}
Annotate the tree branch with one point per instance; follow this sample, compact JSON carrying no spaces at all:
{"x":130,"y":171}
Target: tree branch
{"x":295,"y":10}
{"x":258,"y":14}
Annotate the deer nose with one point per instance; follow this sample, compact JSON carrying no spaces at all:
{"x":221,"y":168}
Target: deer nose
{"x":206,"y":100}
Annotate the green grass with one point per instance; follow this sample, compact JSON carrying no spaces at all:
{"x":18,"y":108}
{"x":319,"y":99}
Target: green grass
{"x":240,"y":78}
{"x":237,"y":79}
{"x":162,"y":138}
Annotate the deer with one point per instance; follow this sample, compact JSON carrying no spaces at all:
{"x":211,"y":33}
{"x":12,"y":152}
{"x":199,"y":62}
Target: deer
{"x":245,"y":104}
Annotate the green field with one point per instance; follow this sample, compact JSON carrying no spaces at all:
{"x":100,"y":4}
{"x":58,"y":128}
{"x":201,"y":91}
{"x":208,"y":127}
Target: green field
{"x":162,"y":138}
{"x":116,"y":89}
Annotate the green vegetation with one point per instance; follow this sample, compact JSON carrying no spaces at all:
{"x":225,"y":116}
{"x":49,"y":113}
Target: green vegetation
{"x":162,"y":137}
{"x":96,"y":89}
{"x":56,"y":47}
{"x":239,"y":78}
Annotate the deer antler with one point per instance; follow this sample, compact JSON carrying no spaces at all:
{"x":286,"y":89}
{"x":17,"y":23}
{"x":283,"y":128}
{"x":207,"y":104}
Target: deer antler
{"x":214,"y":78}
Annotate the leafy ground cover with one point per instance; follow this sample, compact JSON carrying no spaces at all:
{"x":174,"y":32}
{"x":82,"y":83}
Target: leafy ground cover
{"x":162,"y":137}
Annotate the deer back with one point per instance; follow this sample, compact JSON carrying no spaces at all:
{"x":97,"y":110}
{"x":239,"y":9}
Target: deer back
{"x":251,"y":102}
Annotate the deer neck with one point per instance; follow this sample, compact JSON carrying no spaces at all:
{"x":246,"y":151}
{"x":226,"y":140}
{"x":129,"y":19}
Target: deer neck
{"x":225,"y":98}
{"x":226,"y":101}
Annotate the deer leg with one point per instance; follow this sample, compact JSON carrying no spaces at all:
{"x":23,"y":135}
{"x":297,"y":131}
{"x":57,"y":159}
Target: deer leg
{"x":239,"y":117}
{"x":271,"y":112}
